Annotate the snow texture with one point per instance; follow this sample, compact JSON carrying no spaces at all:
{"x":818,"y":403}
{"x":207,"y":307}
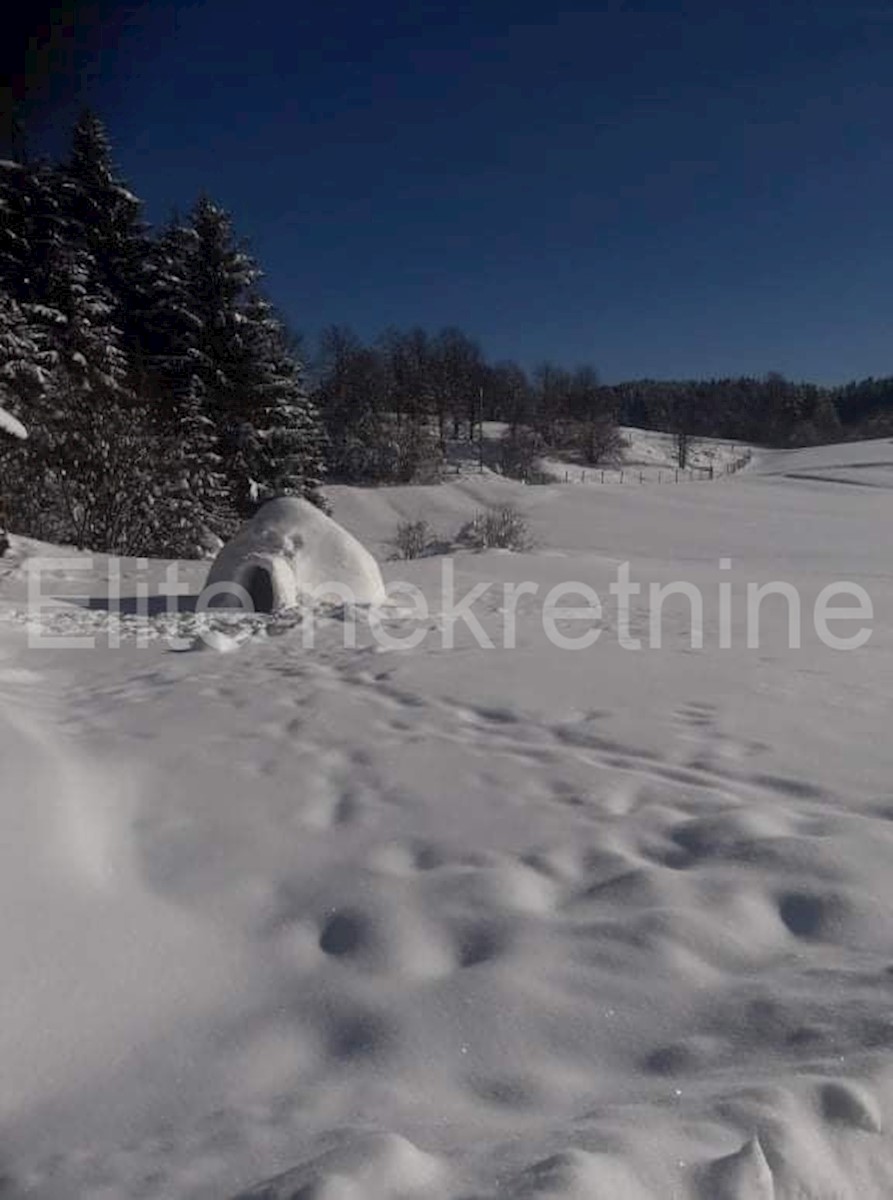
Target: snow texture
{"x":424,"y":924}
{"x":291,"y":550}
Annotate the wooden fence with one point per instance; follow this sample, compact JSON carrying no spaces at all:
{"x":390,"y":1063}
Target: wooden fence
{"x":663,"y":474}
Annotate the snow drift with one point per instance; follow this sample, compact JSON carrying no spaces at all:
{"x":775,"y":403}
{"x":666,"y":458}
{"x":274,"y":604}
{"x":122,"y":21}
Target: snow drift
{"x":86,"y":944}
{"x":291,"y":550}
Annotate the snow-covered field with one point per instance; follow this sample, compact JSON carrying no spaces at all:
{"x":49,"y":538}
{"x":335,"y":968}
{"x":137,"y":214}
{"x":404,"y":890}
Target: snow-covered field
{"x":468,"y":924}
{"x":648,"y":457}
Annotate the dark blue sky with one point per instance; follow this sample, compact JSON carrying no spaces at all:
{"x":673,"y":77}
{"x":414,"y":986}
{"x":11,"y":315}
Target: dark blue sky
{"x":660,"y":189}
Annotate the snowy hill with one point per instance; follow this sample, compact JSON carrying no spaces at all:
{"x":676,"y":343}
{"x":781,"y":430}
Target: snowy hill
{"x":647,"y":456}
{"x":393,"y":922}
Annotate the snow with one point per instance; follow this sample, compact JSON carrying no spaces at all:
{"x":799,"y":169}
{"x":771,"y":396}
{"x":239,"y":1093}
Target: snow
{"x":648,"y":457}
{"x":303,"y":552}
{"x":394,"y":924}
{"x":88,"y":948}
{"x":11,"y":425}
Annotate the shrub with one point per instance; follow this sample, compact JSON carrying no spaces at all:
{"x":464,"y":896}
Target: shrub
{"x":496,"y":528}
{"x":413,"y":539}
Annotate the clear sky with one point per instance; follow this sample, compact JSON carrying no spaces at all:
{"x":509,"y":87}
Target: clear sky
{"x":661,"y":189}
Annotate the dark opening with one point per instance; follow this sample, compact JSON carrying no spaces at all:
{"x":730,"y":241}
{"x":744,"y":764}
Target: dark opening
{"x":259,"y":586}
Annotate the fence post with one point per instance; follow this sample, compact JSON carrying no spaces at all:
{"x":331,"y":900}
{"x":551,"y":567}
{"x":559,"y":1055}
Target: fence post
{"x":603,"y":477}
{"x":658,"y":477}
{"x":621,"y":477}
{"x":565,"y":476}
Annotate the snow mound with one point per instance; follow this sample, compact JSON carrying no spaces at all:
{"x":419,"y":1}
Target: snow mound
{"x":290,"y":550}
{"x":9,"y":424}
{"x":86,"y":945}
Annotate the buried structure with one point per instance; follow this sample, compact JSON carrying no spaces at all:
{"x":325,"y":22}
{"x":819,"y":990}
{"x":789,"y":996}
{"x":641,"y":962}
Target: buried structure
{"x":291,"y":551}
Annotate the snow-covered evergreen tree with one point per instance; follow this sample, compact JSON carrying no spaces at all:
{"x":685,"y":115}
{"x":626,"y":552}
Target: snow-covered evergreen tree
{"x":90,"y":467}
{"x":19,"y":376}
{"x":269,"y":434}
{"x":15,"y":180}
{"x":126,"y":342}
{"x":86,"y":470}
{"x":106,"y":220}
{"x":31,"y":239}
{"x":28,"y":326}
{"x":160,"y":389}
{"x":218,"y":277}
{"x":194,"y":499}
{"x":27,"y":358}
{"x":288,"y":448}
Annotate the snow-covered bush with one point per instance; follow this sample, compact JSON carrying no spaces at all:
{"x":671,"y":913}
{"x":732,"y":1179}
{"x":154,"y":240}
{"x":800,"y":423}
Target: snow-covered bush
{"x":416,"y":539}
{"x":412,"y":539}
{"x":496,"y":528}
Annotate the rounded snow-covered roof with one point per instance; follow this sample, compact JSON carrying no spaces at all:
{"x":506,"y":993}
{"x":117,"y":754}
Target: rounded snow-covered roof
{"x":305,"y":555}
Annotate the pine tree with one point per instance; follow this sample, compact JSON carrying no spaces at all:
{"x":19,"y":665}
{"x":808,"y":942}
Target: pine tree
{"x":160,"y":388}
{"x":192,"y":502}
{"x":286,"y":454}
{"x":32,"y":237}
{"x":268,"y":432}
{"x":218,"y":276}
{"x":28,"y":327}
{"x":15,"y":181}
{"x":148,"y":285}
{"x":91,"y":435}
{"x":107,"y":222}
{"x":86,"y":470}
{"x":27,"y":359}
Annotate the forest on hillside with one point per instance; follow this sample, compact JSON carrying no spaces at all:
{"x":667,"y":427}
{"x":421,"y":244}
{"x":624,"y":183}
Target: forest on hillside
{"x":165,"y":397}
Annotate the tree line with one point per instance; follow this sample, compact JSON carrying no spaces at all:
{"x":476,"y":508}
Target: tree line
{"x":165,"y":397}
{"x":434,"y":386}
{"x":392,"y":408}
